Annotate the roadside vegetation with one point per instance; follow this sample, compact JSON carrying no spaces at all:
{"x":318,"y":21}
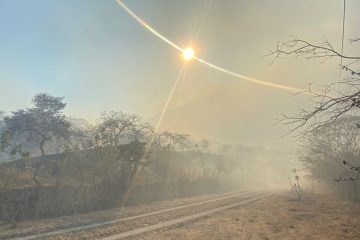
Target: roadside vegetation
{"x":53,"y":165}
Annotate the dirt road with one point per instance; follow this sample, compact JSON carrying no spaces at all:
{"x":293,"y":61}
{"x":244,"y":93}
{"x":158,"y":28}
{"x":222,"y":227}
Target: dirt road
{"x":234,"y":215}
{"x":153,"y":216}
{"x":276,"y":217}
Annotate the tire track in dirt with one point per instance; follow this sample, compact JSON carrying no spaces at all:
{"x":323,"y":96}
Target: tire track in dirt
{"x":92,"y":226}
{"x":182,"y":220}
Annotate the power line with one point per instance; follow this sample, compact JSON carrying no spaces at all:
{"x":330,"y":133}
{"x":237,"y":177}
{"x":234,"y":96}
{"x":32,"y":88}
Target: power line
{"x":342,"y":39}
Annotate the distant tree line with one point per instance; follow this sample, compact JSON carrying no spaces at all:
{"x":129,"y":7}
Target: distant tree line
{"x":44,"y":126}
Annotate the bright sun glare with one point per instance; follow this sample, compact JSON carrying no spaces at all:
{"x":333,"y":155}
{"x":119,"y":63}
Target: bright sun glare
{"x":188,"y":53}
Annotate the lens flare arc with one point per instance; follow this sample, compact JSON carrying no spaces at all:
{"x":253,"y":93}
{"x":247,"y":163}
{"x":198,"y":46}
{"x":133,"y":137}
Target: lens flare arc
{"x":203,"y":61}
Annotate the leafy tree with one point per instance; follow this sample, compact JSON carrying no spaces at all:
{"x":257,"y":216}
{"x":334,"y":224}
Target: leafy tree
{"x":10,"y":149}
{"x":41,"y":123}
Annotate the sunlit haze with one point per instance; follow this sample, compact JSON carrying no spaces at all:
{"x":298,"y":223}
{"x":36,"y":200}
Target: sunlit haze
{"x":188,"y":53}
{"x":179,"y":119}
{"x":99,"y":58}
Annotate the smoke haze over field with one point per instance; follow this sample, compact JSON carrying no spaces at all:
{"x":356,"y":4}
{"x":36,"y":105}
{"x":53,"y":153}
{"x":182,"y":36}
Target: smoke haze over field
{"x":98,"y":58}
{"x":134,"y":118}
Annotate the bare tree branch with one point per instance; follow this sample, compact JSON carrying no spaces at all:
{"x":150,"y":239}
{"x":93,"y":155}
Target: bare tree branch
{"x":298,"y":47}
{"x":335,"y":100}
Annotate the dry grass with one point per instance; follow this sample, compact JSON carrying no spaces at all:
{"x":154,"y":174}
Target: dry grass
{"x":276,"y":217}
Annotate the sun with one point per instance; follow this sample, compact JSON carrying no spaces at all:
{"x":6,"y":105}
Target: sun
{"x":188,"y":53}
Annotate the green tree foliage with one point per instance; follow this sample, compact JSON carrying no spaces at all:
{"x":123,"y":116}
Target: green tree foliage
{"x":41,"y":123}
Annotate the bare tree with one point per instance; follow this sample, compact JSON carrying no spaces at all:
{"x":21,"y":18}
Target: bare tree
{"x":175,"y":141}
{"x":323,"y":51}
{"x":332,"y":153}
{"x":182,"y":141}
{"x":336,"y":99}
{"x":203,"y":145}
{"x":82,"y":134}
{"x":142,"y":131}
{"x":114,"y":128}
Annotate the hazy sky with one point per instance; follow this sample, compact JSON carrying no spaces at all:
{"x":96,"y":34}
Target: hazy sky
{"x":98,"y":58}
